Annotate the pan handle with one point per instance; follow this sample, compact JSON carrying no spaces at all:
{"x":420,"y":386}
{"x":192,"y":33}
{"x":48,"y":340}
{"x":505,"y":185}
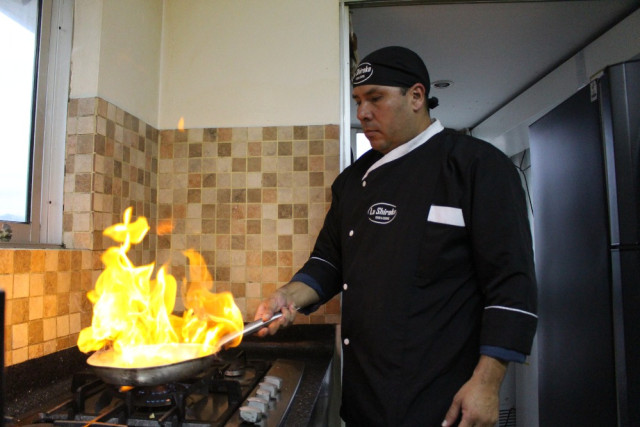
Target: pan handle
{"x":248,"y":329}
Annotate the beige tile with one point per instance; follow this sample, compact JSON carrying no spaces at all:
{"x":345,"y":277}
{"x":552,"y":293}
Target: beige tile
{"x":19,"y":335}
{"x":36,"y":307}
{"x":20,"y":355}
{"x":62,"y":326}
{"x":20,"y":285}
{"x":6,"y":283}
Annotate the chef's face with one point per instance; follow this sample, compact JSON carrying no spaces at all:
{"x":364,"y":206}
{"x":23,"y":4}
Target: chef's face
{"x":387,"y":116}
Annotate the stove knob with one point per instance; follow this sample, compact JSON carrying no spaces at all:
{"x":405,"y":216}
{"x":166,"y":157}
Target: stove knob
{"x":263,"y":394}
{"x":259,"y":403}
{"x":268,"y":387}
{"x":276,"y":381}
{"x":250,"y":414}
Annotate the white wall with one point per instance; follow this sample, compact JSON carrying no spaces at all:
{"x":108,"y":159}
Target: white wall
{"x":116,"y":54}
{"x":250,"y":63}
{"x":220,"y":63}
{"x":508,"y":127}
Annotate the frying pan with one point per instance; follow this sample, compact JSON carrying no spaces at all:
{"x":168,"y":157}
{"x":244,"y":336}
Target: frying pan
{"x":105,"y":362}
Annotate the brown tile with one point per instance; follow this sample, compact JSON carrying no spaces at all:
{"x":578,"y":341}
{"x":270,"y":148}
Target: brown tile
{"x":269,"y":133}
{"x":76,"y":260}
{"x":194,"y":196}
{"x":195,"y":180}
{"x":64,"y":261}
{"x":208,"y":226}
{"x":285,"y":258}
{"x":316,"y":179}
{"x":332,"y":132}
{"x":210,"y":135}
{"x":6,"y":261}
{"x":316,"y":147}
{"x":35,"y":332}
{"x":22,"y":262}
{"x":19,"y":310}
{"x":285,"y":148}
{"x":284,"y":274}
{"x":254,"y":164}
{"x":285,"y":242}
{"x":239,"y":164}
{"x":253,"y":226}
{"x":223,"y":226}
{"x":269,"y":179}
{"x":300,"y":132}
{"x":254,"y":195}
{"x":225,"y":134}
{"x":239,"y":196}
{"x":83,"y":183}
{"x":222,"y":273}
{"x":254,"y":148}
{"x":300,"y":226}
{"x":223,"y":195}
{"x":238,"y":242}
{"x":195,"y":150}
{"x":37,"y":261}
{"x":300,"y":164}
{"x":285,"y":211}
{"x":300,"y":210}
{"x":209,"y":180}
{"x":269,"y":195}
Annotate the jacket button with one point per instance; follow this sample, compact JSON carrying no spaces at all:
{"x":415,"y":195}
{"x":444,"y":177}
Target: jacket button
{"x":346,"y":341}
{"x":364,"y":183}
{"x":345,"y":286}
{"x":350,"y":233}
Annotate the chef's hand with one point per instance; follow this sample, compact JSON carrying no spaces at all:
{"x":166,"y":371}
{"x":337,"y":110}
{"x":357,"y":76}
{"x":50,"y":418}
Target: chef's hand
{"x":288,"y":299}
{"x":478,"y":399}
{"x":277,"y":302}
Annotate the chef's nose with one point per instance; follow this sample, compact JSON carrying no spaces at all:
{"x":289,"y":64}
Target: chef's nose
{"x":364,"y":112}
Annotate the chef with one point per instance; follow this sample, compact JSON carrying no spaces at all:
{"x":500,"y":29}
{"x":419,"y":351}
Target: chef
{"x":428,"y":241}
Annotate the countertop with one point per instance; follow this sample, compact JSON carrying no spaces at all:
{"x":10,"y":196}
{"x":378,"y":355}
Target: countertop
{"x":34,"y":385}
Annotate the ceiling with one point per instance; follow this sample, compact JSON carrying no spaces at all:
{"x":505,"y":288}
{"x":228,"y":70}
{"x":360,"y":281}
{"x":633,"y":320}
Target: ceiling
{"x":492,"y":51}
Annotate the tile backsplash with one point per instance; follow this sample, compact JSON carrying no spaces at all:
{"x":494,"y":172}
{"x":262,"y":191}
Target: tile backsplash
{"x":250,"y":200}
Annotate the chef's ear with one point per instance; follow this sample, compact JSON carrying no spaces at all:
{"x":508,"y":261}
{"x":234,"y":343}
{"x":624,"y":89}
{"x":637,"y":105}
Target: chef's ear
{"x":418,"y":95}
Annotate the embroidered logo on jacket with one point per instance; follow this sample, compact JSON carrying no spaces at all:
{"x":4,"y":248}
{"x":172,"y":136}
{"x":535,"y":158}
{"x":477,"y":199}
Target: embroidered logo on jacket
{"x":382,"y":213}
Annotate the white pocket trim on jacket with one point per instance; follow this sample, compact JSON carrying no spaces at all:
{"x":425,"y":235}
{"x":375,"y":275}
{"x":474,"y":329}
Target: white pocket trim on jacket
{"x":446,"y":215}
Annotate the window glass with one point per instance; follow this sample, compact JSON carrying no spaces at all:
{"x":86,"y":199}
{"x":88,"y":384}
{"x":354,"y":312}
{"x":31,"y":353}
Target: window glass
{"x":18,"y":48}
{"x":362,"y":144}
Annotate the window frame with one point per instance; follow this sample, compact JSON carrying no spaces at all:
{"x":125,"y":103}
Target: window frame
{"x":44,"y":219}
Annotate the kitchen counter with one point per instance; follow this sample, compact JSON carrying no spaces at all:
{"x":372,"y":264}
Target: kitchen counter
{"x":36,"y":385}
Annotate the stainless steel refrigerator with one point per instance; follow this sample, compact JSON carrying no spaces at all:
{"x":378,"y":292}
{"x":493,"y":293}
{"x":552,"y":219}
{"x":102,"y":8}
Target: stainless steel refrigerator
{"x":585,"y":161}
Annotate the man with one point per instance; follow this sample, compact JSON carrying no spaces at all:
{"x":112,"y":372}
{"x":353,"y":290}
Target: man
{"x":428,"y":240}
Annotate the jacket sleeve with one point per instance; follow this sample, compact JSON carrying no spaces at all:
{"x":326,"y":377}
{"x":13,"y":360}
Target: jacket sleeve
{"x":323,"y":269}
{"x":502,"y":253}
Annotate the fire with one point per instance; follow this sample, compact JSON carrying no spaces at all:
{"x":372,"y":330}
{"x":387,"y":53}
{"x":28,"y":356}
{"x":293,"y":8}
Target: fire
{"x":131,"y":310}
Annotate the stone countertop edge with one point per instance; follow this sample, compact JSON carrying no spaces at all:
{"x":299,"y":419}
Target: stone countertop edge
{"x":37,"y":384}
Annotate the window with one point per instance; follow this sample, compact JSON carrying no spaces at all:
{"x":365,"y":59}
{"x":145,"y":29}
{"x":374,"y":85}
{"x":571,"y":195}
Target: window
{"x":35,"y":43}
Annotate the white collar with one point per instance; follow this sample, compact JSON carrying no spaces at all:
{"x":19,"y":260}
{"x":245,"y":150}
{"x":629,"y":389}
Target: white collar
{"x":434,"y":128}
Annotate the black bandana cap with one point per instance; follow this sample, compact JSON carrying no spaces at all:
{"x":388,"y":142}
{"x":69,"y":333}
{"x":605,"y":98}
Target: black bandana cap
{"x":393,"y":66}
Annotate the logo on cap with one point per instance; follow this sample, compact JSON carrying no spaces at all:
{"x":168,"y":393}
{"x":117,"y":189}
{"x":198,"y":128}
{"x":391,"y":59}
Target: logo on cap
{"x":363,"y":72}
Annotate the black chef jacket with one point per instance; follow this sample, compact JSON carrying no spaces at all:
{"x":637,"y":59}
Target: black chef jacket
{"x":432,"y":253}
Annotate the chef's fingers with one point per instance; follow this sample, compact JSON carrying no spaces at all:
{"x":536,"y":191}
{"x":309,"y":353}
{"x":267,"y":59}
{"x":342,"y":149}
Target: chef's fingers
{"x":452,"y":413}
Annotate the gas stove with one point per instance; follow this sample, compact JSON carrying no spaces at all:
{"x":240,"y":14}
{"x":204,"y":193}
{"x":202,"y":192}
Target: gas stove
{"x":235,"y":391}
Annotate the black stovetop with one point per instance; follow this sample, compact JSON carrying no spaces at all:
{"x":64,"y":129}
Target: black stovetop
{"x":40,"y":385}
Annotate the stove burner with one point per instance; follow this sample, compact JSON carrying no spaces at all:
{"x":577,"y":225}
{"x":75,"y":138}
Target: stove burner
{"x":158,"y":396}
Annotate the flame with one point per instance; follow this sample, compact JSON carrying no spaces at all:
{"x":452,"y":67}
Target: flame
{"x":164,"y":227}
{"x":131,"y":310}
{"x":181,"y":124}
